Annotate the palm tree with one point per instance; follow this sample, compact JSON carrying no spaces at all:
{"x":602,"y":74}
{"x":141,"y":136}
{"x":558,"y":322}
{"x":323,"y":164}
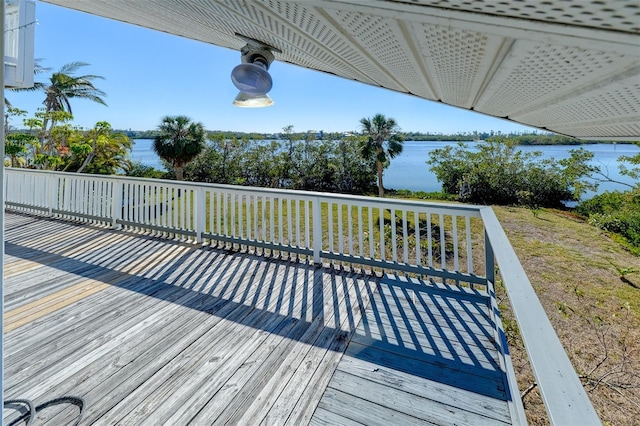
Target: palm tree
{"x":180,"y":141}
{"x":63,"y":86}
{"x":383,"y":142}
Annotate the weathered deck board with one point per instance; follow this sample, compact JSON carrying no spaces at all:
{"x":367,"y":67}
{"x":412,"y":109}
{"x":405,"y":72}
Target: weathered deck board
{"x":423,"y":354}
{"x":153,"y":331}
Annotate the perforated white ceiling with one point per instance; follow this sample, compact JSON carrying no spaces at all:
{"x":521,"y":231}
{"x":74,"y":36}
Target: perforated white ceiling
{"x":570,"y":66}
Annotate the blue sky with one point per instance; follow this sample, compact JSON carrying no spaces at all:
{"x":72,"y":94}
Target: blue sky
{"x":149,"y":74}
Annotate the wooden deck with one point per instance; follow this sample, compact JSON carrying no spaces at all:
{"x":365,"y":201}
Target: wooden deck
{"x":155,"y":331}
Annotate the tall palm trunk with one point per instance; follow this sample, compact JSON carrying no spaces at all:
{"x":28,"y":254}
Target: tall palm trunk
{"x":179,"y":172}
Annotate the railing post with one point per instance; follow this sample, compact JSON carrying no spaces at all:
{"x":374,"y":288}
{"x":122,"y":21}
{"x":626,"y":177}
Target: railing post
{"x":52,"y":193}
{"x":489,"y":259}
{"x":316,"y":217}
{"x":116,"y":203}
{"x":199,"y":213}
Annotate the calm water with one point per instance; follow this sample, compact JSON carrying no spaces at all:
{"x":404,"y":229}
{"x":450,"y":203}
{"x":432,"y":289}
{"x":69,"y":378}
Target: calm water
{"x":410,"y":171}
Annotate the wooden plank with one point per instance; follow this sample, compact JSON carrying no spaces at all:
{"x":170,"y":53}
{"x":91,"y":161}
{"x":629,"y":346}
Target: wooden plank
{"x":157,"y":358}
{"x":323,"y":417}
{"x":229,"y":342}
{"x":287,"y":357}
{"x":128,"y":367}
{"x":267,"y":390}
{"x":44,"y":306}
{"x":241,"y":316}
{"x":362,"y":411}
{"x":207,"y":383}
{"x":191,"y":335}
{"x":222,"y":383}
{"x":57,"y":373}
{"x":318,"y":360}
{"x":413,"y":333}
{"x":304,"y":409}
{"x":441,"y":350}
{"x":407,"y":403}
{"x":98,"y":322}
{"x":486,"y":382}
{"x":85,"y":314}
{"x":442,"y":317}
{"x":428,"y":389}
{"x":476,"y":310}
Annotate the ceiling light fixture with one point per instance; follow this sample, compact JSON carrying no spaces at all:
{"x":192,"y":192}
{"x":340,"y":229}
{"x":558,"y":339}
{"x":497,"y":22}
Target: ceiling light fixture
{"x":251,"y":77}
{"x":245,"y":100}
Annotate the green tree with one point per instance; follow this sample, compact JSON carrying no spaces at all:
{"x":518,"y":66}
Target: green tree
{"x":497,"y":172}
{"x":633,"y":161}
{"x":264,"y":164}
{"x":355,"y":174}
{"x":383,"y":142}
{"x":98,"y":151}
{"x":180,"y":141}
{"x":221,"y":161}
{"x":16,"y":147}
{"x":61,"y":87}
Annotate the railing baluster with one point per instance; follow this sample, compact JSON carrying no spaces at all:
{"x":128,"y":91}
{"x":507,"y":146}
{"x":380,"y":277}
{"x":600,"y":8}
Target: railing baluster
{"x":429,"y":240}
{"x":297,"y":219}
{"x":271,"y":219}
{"x":405,"y":236}
{"x":330,"y":225}
{"x":371,"y":244}
{"x":394,"y":242}
{"x":416,"y":218}
{"x":280,"y":218}
{"x":382,"y":233}
{"x":240,"y":216}
{"x":469,"y":251}
{"x":289,"y":221}
{"x":350,"y":225}
{"x":317,"y":230}
{"x":233,"y":204}
{"x":264,"y":223}
{"x":360,"y":234}
{"x":443,"y":244}
{"x":199,"y":210}
{"x":248,"y":201}
{"x":256,"y":200}
{"x":456,"y":263}
{"x":307,"y":223}
{"x":340,"y":233}
{"x":116,"y":204}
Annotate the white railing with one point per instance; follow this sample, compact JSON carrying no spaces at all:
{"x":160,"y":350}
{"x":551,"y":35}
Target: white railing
{"x":449,"y":244}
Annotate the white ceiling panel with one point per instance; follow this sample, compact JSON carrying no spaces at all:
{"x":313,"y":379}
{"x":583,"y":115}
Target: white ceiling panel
{"x":569,"y":66}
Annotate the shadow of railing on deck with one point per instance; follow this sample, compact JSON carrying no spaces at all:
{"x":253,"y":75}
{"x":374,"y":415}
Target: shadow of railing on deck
{"x":422,"y":331}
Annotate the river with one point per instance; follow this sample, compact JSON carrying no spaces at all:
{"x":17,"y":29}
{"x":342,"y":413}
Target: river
{"x":410,"y":171}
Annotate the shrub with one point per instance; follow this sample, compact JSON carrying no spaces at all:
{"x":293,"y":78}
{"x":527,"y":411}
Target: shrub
{"x":617,"y":212}
{"x":497,"y":172}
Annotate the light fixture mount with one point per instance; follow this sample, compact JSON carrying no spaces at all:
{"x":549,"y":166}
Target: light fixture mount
{"x":251,"y":76}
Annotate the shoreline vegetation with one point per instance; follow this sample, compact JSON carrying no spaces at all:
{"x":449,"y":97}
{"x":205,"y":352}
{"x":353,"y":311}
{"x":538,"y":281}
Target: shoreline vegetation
{"x":533,"y":138}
